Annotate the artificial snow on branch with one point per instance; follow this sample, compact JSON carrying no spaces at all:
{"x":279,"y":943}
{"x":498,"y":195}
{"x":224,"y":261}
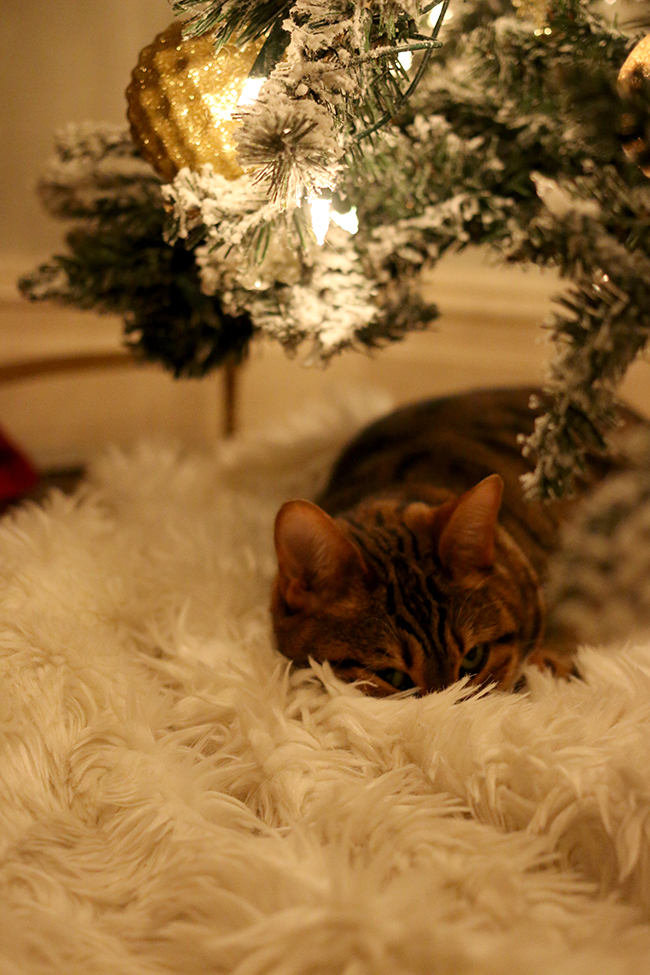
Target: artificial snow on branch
{"x":339,"y":75}
{"x":290,"y":145}
{"x":292,"y":289}
{"x":512,"y":140}
{"x":118,"y":261}
{"x":95,"y":169}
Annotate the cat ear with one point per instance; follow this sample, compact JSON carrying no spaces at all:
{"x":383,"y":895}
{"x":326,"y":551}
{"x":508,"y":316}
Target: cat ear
{"x":316,"y":561}
{"x":466,"y":541}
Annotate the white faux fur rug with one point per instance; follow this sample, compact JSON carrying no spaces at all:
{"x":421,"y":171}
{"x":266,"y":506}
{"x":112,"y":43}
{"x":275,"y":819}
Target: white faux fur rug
{"x":174,"y":800}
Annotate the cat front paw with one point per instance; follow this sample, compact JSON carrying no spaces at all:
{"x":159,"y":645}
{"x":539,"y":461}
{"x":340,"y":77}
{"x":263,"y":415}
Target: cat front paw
{"x":561,"y":664}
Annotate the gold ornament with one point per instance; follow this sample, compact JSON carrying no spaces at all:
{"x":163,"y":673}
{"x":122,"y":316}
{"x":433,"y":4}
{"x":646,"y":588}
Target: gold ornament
{"x":634,"y":83}
{"x":535,"y":10}
{"x":181,"y":100}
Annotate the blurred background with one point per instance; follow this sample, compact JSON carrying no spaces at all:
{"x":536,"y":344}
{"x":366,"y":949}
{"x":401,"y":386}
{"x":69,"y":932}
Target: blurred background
{"x":71,"y":61}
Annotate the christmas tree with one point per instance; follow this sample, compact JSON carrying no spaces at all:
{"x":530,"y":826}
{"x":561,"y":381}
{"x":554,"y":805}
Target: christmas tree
{"x":515,"y":133}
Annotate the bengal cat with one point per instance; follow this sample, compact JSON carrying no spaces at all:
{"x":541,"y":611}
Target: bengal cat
{"x":402,"y":576}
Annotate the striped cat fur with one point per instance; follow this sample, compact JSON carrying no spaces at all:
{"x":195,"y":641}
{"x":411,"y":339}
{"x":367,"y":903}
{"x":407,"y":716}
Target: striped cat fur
{"x":422,"y":562}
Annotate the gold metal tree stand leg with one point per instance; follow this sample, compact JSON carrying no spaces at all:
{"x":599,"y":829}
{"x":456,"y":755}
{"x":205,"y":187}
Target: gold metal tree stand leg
{"x":230,"y":398}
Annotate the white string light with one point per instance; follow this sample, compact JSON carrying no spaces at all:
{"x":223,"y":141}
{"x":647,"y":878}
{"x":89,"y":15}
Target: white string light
{"x":347,"y":221}
{"x":320,"y":217}
{"x":250,"y":91}
{"x":435,"y":14}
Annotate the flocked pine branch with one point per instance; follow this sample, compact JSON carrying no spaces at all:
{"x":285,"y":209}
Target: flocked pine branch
{"x":291,"y":146}
{"x":513,"y":141}
{"x":197,"y":268}
{"x":96,"y":170}
{"x":118,"y":262}
{"x":339,"y":76}
{"x":602,"y":324}
{"x":292,"y":289}
{"x":246,"y":19}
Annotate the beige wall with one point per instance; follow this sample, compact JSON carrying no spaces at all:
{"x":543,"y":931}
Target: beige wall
{"x":63,"y":61}
{"x":70,"y":60}
{"x":60,"y":61}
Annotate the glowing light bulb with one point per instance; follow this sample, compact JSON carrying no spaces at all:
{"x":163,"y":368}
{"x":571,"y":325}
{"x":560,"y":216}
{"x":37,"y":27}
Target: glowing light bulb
{"x":434,"y":14}
{"x":347,"y":221}
{"x":320,"y":218}
{"x":405,"y":58}
{"x":251,"y":91}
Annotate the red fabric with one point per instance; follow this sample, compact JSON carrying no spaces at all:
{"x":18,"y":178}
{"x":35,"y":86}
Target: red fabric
{"x":17,"y":474}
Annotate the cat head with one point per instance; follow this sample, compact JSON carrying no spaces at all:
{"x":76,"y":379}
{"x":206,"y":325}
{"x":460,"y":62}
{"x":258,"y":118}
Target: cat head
{"x":404,"y":595}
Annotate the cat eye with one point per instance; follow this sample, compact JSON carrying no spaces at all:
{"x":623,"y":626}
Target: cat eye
{"x":397,"y":678}
{"x":474,"y":660}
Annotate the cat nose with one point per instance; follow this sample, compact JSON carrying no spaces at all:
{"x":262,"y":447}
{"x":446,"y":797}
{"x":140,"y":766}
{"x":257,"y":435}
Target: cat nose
{"x":434,"y":677}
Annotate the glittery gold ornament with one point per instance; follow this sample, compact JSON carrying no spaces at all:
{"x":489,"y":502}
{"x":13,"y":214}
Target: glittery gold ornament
{"x":634,"y":83}
{"x":181,"y":100}
{"x":536,"y":10}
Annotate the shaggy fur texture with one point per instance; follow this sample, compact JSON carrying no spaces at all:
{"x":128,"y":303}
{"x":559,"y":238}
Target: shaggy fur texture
{"x":173,"y":799}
